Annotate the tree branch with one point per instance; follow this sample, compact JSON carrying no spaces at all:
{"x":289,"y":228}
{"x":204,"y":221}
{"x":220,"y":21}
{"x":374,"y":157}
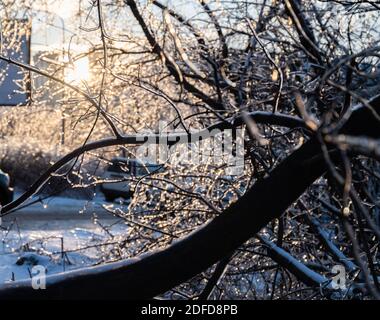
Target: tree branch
{"x":187,"y":257}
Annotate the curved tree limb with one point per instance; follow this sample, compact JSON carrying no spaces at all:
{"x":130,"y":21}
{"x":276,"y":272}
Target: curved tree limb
{"x":156,"y":272}
{"x":170,"y":138}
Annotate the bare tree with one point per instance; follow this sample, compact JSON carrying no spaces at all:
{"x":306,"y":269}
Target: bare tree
{"x":302,"y":77}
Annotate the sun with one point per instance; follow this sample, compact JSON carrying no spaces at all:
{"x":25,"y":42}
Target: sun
{"x":78,"y":71}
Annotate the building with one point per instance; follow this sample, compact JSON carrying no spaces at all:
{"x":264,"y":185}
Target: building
{"x":15,"y":82}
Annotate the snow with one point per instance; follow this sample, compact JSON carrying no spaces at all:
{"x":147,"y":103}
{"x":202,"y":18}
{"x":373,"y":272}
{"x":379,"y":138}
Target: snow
{"x":61,"y":208}
{"x":294,"y":265}
{"x":39,"y":233}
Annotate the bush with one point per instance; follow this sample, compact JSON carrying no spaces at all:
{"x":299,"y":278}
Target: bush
{"x":24,"y":160}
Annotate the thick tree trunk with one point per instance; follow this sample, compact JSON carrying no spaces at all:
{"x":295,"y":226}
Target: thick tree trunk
{"x":160,"y":271}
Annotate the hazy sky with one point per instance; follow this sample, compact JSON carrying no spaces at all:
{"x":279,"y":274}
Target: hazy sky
{"x":64,"y":8}
{"x":52,"y":25}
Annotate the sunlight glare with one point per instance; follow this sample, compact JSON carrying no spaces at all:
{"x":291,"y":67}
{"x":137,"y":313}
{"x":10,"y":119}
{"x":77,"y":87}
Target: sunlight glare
{"x":78,"y":71}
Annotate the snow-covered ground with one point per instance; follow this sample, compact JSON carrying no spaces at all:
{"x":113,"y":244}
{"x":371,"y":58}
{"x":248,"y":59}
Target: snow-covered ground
{"x":58,"y":233}
{"x":58,"y":207}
